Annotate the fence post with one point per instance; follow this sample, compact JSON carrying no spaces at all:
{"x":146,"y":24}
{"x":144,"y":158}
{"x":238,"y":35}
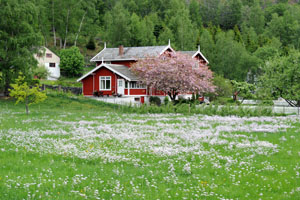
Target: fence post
{"x":59,"y":88}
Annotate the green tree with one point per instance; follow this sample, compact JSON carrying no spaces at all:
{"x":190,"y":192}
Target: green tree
{"x":22,"y":92}
{"x":281,"y":76}
{"x":242,"y":89}
{"x":224,"y":88}
{"x":184,"y":31}
{"x":19,"y":38}
{"x":254,"y":17}
{"x":165,"y":35}
{"x":231,"y":59}
{"x":230,"y":13}
{"x":210,"y":11}
{"x":117,"y":26}
{"x":71,"y":62}
{"x":195,"y":16}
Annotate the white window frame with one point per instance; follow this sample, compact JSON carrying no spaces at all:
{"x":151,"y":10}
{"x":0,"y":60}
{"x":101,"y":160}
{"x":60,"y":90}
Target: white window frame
{"x":135,"y":85}
{"x":104,"y":78}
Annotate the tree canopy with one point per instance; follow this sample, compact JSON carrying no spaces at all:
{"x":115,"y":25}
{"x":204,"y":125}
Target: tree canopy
{"x":174,"y":73}
{"x":19,"y":39}
{"x":238,"y":37}
{"x":71,"y":62}
{"x":281,"y":77}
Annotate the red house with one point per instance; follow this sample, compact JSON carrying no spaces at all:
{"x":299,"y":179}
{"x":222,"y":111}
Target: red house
{"x":112,"y":75}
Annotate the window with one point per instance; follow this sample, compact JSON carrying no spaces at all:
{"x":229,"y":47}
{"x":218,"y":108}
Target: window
{"x":137,"y":85}
{"x":48,"y":55}
{"x":105,"y":82}
{"x":120,"y":83}
{"x":51,"y":64}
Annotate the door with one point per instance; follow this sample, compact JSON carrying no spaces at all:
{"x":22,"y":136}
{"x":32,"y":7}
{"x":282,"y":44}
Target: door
{"x":121,"y":86}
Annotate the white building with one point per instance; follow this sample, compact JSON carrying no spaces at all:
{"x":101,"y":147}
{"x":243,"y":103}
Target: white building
{"x":51,"y":61}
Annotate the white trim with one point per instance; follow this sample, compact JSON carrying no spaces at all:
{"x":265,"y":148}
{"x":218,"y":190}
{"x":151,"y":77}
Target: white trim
{"x":105,"y":83}
{"x":165,"y":49}
{"x":98,"y":53}
{"x":199,"y":52}
{"x":103,"y":65}
{"x":106,"y":60}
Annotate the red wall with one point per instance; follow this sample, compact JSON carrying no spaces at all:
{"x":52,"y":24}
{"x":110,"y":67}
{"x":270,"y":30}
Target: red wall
{"x":136,"y":92}
{"x":87,"y":85}
{"x":88,"y":82}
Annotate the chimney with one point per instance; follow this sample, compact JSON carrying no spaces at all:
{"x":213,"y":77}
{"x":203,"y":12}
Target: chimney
{"x":121,"y":50}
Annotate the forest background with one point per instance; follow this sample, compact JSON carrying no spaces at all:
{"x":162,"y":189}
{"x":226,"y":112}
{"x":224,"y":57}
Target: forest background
{"x":238,"y":37}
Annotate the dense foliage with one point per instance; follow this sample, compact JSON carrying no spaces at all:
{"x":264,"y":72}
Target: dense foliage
{"x":174,"y":73}
{"x":19,"y":35}
{"x":282,"y":78}
{"x":71,"y":62}
{"x":237,"y":36}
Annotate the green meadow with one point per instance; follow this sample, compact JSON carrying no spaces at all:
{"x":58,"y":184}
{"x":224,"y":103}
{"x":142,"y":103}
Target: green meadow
{"x":74,"y":148}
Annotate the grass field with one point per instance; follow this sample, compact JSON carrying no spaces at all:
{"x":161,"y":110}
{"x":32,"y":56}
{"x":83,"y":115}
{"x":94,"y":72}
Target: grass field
{"x":70,"y":149}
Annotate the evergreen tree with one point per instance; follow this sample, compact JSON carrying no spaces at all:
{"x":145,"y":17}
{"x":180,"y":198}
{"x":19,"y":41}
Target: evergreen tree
{"x":19,"y":38}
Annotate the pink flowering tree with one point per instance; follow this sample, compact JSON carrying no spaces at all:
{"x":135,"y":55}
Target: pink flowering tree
{"x":174,"y":73}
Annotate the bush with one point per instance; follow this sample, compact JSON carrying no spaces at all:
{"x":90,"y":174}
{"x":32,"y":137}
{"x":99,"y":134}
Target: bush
{"x":166,"y":100}
{"x":266,"y":103}
{"x":71,"y":62}
{"x":41,"y":72}
{"x":155,"y":100}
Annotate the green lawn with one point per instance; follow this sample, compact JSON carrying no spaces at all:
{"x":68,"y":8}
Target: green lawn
{"x":80,"y":149}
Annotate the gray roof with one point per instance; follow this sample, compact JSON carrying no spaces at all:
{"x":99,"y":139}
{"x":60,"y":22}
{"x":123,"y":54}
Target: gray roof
{"x":121,"y":70}
{"x":190,"y":53}
{"x":129,"y":53}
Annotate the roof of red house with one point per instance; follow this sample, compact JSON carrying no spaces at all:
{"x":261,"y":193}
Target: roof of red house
{"x":194,"y":54}
{"x":130,"y":53}
{"x":121,"y":70}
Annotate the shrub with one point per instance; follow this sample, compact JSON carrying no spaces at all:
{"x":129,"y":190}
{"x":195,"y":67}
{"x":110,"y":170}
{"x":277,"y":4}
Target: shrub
{"x":166,"y":100}
{"x":41,"y":72}
{"x":155,"y":100}
{"x":71,"y":62}
{"x":266,"y":103}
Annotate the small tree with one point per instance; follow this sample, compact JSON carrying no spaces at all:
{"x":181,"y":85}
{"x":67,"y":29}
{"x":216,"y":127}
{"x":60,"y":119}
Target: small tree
{"x":281,"y":77}
{"x":242,"y":89}
{"x":174,"y":73}
{"x":24,"y":93}
{"x":71,"y":62}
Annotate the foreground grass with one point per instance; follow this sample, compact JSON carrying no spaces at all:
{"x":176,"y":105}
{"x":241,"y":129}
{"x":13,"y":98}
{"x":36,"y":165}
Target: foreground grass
{"x":80,"y":149}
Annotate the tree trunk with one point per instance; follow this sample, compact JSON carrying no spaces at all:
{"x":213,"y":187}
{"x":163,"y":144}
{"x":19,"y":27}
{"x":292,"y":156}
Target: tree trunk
{"x":79,"y":28}
{"x":67,"y":24}
{"x":53,"y":27}
{"x":173,"y":95}
{"x":60,"y":43}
